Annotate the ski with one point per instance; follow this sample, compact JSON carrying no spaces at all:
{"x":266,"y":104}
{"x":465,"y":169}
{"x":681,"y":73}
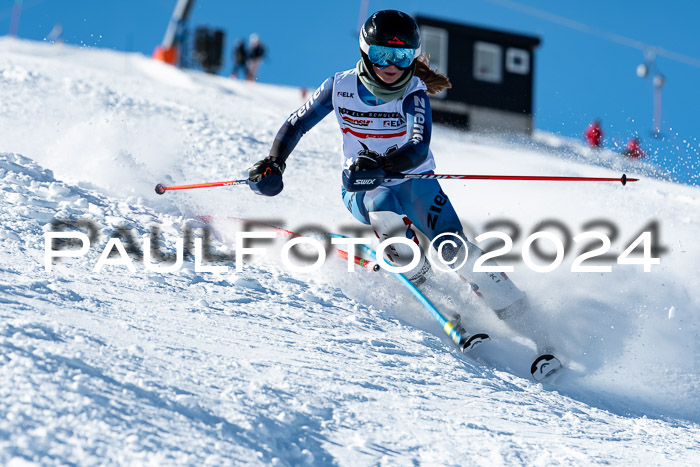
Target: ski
{"x":465,"y":342}
{"x":544,"y":367}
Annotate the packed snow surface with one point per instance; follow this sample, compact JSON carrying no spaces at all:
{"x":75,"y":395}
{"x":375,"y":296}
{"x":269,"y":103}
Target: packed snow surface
{"x":269,"y":366}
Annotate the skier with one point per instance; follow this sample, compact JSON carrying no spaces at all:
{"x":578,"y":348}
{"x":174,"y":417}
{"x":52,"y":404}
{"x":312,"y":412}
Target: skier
{"x":256,"y":52}
{"x":240,"y":58}
{"x":384,"y":114}
{"x":594,"y":134}
{"x":633,"y":149}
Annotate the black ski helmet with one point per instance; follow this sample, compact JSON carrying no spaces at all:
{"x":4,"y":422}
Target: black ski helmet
{"x":389,"y":28}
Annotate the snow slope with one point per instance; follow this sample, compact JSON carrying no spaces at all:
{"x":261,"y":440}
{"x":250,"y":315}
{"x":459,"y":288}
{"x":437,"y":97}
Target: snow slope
{"x":266,"y":366}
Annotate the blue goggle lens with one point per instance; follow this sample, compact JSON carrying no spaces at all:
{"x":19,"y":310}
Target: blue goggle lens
{"x":384,"y":56}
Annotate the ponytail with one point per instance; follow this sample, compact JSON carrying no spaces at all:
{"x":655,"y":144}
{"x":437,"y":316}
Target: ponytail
{"x":434,"y":80}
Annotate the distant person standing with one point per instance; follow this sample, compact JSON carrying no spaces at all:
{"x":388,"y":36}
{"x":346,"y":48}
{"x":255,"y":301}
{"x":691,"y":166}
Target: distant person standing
{"x":240,"y":59}
{"x":256,"y":52}
{"x":633,"y":150}
{"x":594,"y":134}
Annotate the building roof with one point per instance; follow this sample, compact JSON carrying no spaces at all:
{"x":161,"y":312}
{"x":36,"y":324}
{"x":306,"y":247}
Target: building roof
{"x":484,"y":34}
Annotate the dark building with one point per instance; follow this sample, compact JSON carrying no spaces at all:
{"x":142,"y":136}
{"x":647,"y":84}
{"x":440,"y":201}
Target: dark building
{"x":491,"y":73}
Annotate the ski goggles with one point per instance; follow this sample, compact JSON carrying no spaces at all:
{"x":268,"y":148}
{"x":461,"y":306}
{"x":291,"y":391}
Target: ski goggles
{"x":384,"y":56}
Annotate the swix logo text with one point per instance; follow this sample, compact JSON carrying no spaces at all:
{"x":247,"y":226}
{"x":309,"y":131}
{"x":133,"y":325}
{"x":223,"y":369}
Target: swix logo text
{"x":364,"y":182}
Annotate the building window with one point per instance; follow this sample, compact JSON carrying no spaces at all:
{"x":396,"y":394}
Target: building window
{"x":488,"y":62}
{"x":517,"y":61}
{"x":435,"y":47}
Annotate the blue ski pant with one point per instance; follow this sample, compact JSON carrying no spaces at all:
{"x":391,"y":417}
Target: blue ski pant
{"x":421,"y":200}
{"x":429,"y":209}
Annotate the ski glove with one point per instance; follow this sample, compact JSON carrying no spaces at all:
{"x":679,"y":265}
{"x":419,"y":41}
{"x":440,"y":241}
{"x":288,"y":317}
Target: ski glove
{"x":370,"y":160}
{"x":367,"y":172}
{"x":265,"y":177}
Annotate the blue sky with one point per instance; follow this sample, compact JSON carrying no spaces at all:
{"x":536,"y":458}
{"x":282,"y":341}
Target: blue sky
{"x":582,"y":70}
